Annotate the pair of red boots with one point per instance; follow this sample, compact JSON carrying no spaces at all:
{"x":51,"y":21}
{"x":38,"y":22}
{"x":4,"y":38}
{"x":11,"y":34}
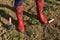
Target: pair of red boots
{"x":19,"y":9}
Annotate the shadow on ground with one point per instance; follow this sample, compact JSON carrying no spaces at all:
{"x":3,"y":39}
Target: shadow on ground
{"x":6,"y":16}
{"x":14,"y":10}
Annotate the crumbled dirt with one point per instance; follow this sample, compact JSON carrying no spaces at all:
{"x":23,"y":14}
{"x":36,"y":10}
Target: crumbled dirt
{"x":41,"y":31}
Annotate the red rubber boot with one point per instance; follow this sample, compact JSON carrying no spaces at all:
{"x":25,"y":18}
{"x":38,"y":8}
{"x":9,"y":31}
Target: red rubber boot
{"x":39,"y":4}
{"x":19,"y":17}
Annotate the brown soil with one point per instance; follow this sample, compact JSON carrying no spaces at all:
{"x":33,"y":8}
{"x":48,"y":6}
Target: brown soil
{"x":41,"y":31}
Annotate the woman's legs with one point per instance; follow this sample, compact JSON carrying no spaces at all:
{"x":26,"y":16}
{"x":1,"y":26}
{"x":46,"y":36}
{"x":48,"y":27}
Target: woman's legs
{"x":19,"y":9}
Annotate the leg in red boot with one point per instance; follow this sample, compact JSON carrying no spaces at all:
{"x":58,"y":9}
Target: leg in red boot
{"x":19,"y":8}
{"x":39,"y":4}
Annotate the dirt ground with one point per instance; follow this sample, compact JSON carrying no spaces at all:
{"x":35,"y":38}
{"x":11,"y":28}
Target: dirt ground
{"x":41,"y":31}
